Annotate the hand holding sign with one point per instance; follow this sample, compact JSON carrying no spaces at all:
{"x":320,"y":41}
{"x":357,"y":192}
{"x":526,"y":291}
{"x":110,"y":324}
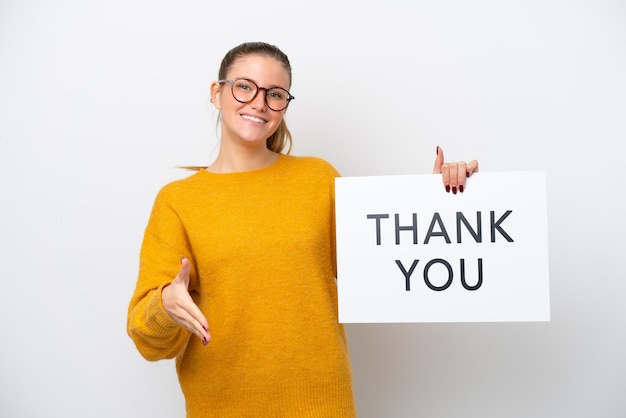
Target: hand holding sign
{"x":178,"y":303}
{"x":454,"y":174}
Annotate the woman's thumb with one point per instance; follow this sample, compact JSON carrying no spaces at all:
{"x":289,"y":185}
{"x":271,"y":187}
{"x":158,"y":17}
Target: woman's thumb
{"x":183,"y":273}
{"x":438,"y":161}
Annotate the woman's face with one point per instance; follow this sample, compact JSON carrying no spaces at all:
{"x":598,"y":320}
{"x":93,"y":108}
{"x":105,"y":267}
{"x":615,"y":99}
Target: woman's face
{"x":253,"y":122}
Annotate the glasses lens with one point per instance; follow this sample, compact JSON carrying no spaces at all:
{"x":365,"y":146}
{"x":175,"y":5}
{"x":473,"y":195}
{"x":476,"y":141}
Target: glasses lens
{"x":276,"y":98}
{"x":244,"y":90}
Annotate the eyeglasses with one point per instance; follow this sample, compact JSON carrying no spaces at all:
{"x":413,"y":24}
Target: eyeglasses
{"x":244,"y":91}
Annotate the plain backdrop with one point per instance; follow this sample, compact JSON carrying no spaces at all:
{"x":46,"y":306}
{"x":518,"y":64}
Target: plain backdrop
{"x":100,"y":101}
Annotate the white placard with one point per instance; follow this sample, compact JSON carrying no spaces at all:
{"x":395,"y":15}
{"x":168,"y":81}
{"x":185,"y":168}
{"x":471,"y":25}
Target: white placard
{"x":407,"y":251}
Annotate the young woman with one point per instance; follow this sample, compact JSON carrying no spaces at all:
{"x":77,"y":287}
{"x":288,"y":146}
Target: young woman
{"x":247,"y":247}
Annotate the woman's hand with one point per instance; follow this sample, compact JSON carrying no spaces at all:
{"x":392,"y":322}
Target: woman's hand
{"x":454,"y":174}
{"x":178,"y":303}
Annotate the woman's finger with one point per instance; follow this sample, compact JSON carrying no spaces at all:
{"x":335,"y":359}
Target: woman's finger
{"x":445,"y":176}
{"x":196,"y":322}
{"x":471,"y":167}
{"x":438,"y":161}
{"x":454,"y":173}
{"x":461,"y":175}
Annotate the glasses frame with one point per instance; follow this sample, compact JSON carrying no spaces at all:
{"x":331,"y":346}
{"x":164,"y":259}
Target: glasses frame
{"x":232,"y":87}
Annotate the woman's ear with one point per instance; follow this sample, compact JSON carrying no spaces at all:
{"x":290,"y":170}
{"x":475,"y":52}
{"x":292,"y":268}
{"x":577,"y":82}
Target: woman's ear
{"x":216,"y":91}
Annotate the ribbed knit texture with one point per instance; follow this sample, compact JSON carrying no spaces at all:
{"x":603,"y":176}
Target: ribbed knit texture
{"x":262,"y":249}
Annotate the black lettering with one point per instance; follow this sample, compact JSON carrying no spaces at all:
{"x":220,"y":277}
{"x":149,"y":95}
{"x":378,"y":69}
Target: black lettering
{"x":427,"y":280}
{"x":496,"y":225}
{"x":442,"y":229}
{"x":378,"y":217}
{"x":406,"y":228}
{"x":476,"y":234}
{"x":407,"y":275}
{"x":480,"y":275}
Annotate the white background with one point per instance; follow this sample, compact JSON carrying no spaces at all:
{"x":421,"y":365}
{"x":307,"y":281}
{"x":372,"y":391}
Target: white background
{"x":100,"y":101}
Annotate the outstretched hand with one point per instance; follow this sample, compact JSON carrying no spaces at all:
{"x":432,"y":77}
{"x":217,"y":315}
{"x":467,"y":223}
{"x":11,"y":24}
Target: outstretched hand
{"x":178,"y":303}
{"x":454,"y":174}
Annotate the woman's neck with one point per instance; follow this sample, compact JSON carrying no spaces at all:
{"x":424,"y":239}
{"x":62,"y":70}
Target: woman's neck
{"x":228,"y":161}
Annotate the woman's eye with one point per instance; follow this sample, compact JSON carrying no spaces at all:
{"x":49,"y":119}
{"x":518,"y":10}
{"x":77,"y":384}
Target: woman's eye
{"x":273,"y":94}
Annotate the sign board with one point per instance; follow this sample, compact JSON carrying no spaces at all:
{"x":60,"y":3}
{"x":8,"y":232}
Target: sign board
{"x":407,"y":251}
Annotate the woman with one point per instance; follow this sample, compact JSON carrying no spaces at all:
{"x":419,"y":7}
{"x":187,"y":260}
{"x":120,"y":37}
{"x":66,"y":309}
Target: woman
{"x":247,"y":245}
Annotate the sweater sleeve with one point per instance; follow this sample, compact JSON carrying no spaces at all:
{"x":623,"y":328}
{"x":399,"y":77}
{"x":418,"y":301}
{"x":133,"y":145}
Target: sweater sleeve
{"x":155,"y":334}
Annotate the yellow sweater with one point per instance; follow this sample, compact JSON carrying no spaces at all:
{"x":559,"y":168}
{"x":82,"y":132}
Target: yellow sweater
{"x":262,"y":249}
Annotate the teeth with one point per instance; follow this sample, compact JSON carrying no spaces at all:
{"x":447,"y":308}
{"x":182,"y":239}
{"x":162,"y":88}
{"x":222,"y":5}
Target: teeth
{"x":253,"y":119}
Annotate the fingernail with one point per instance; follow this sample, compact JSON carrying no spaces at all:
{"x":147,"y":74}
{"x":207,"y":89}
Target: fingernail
{"x":454,"y":190}
{"x":204,"y":341}
{"x":447,"y":188}
{"x":205,"y":328}
{"x":437,"y":150}
{"x":461,"y":189}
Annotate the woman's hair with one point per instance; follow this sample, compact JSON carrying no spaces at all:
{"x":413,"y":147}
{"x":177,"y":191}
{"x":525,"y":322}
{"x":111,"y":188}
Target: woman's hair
{"x":281,"y":138}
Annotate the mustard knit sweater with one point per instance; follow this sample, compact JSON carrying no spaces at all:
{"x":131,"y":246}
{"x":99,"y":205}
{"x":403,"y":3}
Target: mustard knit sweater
{"x":262,"y":249}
